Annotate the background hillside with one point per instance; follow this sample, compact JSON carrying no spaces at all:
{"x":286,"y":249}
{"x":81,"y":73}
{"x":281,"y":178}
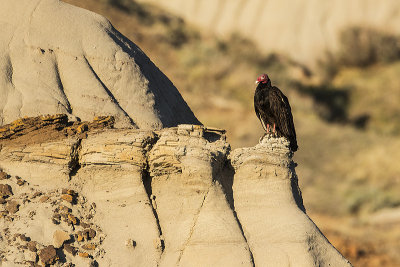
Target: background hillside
{"x":346,"y":112}
{"x":304,"y":30}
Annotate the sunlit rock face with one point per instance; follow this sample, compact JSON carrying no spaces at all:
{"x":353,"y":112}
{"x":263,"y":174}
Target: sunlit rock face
{"x":269,"y":206}
{"x":57,"y":58}
{"x":105,"y":180}
{"x":175,"y":197}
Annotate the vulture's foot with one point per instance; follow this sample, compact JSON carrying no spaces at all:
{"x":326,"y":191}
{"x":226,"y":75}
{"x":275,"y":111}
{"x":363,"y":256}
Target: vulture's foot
{"x":262,"y":137}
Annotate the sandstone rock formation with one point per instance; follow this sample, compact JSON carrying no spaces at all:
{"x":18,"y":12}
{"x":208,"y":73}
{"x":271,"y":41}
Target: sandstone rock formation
{"x":103,"y":193}
{"x":185,"y":166}
{"x":302,"y":29}
{"x":57,"y":58}
{"x":175,"y":197}
{"x":279,"y":233}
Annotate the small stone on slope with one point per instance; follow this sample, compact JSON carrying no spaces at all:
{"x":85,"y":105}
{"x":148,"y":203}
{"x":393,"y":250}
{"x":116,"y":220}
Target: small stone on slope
{"x":84,"y":254}
{"x":48,"y":255}
{"x":44,"y":199}
{"x":67,"y":198}
{"x":32,"y":246}
{"x":20,"y":182}
{"x":5,"y":190}
{"x":3,"y":175}
{"x":70,"y":249}
{"x":89,"y":246}
{"x":59,"y":237}
{"x":12,"y":206}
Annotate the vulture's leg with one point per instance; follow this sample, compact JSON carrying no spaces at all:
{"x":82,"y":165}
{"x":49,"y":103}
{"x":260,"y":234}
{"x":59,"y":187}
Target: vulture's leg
{"x":266,"y":133}
{"x":261,"y":138}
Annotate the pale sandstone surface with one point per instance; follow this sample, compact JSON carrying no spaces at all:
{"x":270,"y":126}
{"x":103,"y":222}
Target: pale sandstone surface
{"x":57,"y":58}
{"x":129,"y":197}
{"x":40,"y":162}
{"x":305,"y":30}
{"x":59,"y":237}
{"x":270,"y":208}
{"x":111,"y":174}
{"x":166,"y":198}
{"x":195,"y":217}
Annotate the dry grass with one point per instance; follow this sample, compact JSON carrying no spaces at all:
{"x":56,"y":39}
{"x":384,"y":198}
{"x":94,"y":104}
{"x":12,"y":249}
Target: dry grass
{"x":375,"y":93}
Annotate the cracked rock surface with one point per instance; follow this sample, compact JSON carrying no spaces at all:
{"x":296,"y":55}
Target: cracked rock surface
{"x":270,"y":209}
{"x":175,"y":197}
{"x":186,"y":166}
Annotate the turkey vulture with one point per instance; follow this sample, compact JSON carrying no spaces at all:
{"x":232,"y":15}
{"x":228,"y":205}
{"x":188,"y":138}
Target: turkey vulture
{"x":273,"y":110}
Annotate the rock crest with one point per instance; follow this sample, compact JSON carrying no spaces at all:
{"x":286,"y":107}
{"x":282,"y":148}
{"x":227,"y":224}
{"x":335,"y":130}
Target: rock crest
{"x":180,"y":196}
{"x":279,"y":233}
{"x":57,"y":58}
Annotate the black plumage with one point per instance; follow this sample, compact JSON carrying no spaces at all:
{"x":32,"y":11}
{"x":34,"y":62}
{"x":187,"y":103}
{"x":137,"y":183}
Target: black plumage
{"x":273,"y":110}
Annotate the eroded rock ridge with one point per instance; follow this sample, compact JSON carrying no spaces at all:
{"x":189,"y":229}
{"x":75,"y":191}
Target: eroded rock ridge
{"x":58,"y":58}
{"x":174,"y":197}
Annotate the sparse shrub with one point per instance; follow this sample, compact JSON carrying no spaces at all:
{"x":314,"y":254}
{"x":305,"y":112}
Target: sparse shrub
{"x":331,"y":103}
{"x":228,"y":67}
{"x":177,"y":33}
{"x":328,"y":67}
{"x":360,"y":47}
{"x":387,"y":48}
{"x":357,"y":47}
{"x":131,"y":7}
{"x":369,"y":197}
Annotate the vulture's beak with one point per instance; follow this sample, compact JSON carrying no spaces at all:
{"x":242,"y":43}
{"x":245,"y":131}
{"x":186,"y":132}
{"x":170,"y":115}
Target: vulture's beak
{"x":257,"y":82}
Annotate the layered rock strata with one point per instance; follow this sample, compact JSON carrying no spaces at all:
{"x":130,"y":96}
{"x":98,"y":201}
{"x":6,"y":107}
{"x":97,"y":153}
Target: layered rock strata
{"x":175,"y":197}
{"x":269,"y":205}
{"x":185,"y":166}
